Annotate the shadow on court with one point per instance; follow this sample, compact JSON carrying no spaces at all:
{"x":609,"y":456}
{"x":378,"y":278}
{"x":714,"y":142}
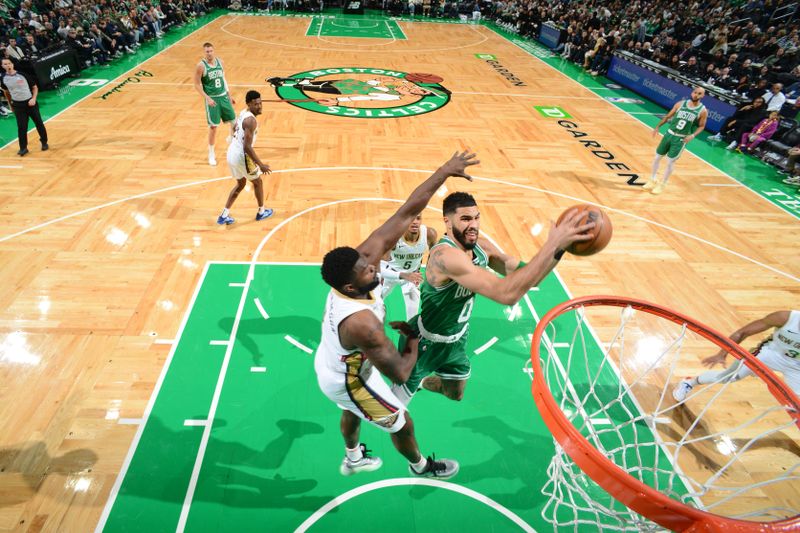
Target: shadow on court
{"x":24,"y":470}
{"x":233,"y":474}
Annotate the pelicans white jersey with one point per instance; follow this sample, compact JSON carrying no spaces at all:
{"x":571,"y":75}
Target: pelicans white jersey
{"x":241,"y":165}
{"x":781,"y":351}
{"x":405,"y":257}
{"x":346,"y":376}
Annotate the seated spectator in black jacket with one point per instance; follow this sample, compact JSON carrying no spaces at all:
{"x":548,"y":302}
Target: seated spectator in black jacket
{"x":724,"y":80}
{"x":690,"y":69}
{"x":757,"y":89}
{"x":83,"y":50}
{"x":742,"y":121}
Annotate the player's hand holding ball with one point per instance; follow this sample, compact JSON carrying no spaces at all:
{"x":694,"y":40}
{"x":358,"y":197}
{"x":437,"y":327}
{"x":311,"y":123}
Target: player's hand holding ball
{"x":582,"y":230}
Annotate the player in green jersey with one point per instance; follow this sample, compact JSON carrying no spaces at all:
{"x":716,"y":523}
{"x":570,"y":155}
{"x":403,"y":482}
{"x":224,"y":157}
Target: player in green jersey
{"x":456,"y":271}
{"x":688,"y":119}
{"x":209,"y":81}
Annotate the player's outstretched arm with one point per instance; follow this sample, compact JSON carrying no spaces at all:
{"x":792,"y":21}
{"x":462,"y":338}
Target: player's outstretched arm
{"x":772,"y":320}
{"x":365,"y":331}
{"x":385,"y":237}
{"x":456,"y":265}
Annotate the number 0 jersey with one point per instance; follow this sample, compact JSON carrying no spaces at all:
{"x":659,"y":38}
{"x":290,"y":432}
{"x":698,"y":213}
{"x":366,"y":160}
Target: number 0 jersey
{"x":445,"y":310}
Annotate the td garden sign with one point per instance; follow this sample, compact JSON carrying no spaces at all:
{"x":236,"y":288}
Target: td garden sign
{"x":363,"y":92}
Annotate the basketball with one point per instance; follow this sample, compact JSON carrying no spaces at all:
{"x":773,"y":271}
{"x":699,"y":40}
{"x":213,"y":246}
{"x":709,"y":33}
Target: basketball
{"x":602,"y":230}
{"x":420,"y":77}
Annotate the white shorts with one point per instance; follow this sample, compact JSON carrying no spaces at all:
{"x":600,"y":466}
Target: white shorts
{"x":790,"y":368}
{"x":242,"y":166}
{"x":370,"y":399}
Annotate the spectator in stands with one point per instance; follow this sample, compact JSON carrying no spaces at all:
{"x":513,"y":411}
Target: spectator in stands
{"x":13,"y":50}
{"x":757,"y":89}
{"x":747,"y":116}
{"x":690,"y":69}
{"x":775,"y":97}
{"x":763,"y":131}
{"x":83,"y":50}
{"x":791,"y":166}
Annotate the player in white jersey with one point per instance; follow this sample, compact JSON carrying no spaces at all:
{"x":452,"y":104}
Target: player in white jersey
{"x":401,"y":265}
{"x":354,"y":347}
{"x":780,"y":351}
{"x":244,"y":162}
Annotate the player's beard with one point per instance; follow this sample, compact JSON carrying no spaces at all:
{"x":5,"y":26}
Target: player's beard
{"x":459,"y":236}
{"x":366,"y":289}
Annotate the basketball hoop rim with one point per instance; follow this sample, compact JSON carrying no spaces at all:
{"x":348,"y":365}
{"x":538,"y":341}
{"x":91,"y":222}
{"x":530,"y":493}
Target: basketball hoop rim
{"x":628,"y":490}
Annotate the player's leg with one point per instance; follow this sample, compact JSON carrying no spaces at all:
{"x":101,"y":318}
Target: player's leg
{"x":738,"y":370}
{"x":452,"y":372}
{"x":258,"y":190}
{"x":213,"y":119}
{"x":225,"y":217}
{"x":674,"y":151}
{"x":450,"y":388}
{"x":661,"y":151}
{"x":226,"y":113}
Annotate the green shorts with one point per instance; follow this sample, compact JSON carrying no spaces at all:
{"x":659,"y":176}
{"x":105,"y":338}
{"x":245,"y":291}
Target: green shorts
{"x":446,"y":360}
{"x":223,"y":111}
{"x":671,"y":146}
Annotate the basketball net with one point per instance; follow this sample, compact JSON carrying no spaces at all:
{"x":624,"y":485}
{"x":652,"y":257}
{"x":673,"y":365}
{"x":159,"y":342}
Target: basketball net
{"x":628,"y":457}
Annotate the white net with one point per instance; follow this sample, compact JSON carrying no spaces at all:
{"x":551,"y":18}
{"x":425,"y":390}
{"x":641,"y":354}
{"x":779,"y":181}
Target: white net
{"x":729,"y":448}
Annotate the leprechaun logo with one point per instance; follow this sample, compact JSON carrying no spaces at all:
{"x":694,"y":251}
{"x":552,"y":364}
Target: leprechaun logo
{"x":363,"y":92}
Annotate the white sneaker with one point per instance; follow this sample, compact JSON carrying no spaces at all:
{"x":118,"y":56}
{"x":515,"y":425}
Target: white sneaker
{"x":715,"y":138}
{"x":731,"y":146}
{"x":649,"y":185}
{"x":439,"y":469}
{"x":682,"y":390}
{"x":658,"y":188}
{"x":367,"y":463}
{"x":212,"y":160}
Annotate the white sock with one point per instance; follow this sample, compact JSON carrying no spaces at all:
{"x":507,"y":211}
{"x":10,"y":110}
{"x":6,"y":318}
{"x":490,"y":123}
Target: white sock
{"x":225,"y":212}
{"x":354,"y":454}
{"x":261,"y":209}
{"x":668,"y":170}
{"x":211,"y":149}
{"x":420,"y":466}
{"x":656,"y":162}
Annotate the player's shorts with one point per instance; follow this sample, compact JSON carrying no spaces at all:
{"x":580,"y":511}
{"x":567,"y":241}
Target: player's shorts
{"x":671,"y":146}
{"x":790,"y":368}
{"x":368,"y":397}
{"x":447,"y":360}
{"x":222,"y":112}
{"x":241,"y":165}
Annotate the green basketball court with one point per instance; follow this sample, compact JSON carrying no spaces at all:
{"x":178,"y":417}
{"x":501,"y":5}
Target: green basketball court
{"x":328,"y":26}
{"x":269,"y":458}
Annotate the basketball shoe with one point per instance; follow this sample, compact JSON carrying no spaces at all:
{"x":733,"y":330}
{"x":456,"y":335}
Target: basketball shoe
{"x":658,"y":188}
{"x":367,"y":463}
{"x":225,"y":220}
{"x":444,"y":469}
{"x":649,"y":185}
{"x":264,"y":214}
{"x":682,"y":390}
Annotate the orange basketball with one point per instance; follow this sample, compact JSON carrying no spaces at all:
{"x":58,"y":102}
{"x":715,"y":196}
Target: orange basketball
{"x":601,"y":231}
{"x":421,"y":77}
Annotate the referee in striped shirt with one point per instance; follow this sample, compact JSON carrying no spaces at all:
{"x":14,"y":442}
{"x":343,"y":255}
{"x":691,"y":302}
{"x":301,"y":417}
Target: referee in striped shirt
{"x":21,"y":93}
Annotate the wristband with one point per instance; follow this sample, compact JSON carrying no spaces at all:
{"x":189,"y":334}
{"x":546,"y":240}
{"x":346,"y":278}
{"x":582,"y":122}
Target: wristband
{"x":558,"y":255}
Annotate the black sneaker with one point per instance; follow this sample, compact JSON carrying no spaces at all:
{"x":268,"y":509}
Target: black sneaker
{"x":22,"y":152}
{"x":367,"y":463}
{"x":442,"y":469}
{"x":45,"y":147}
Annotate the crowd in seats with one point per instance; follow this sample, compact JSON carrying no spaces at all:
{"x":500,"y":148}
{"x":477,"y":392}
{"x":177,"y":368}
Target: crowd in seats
{"x":98,"y":30}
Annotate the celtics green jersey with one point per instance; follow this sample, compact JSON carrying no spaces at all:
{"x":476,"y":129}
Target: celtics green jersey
{"x":213,"y":79}
{"x":685,"y":120}
{"x":445,"y":310}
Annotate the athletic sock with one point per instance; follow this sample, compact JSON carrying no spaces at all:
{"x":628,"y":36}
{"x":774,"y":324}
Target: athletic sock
{"x":354,"y":454}
{"x":261,"y":210}
{"x":420,"y":466}
{"x":225,"y":212}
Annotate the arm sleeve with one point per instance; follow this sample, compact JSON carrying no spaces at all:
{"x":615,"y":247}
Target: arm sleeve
{"x":387,"y":272}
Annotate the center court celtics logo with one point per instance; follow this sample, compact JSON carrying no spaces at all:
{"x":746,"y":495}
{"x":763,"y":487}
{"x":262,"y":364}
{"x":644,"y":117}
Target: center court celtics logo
{"x":363,"y":92}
